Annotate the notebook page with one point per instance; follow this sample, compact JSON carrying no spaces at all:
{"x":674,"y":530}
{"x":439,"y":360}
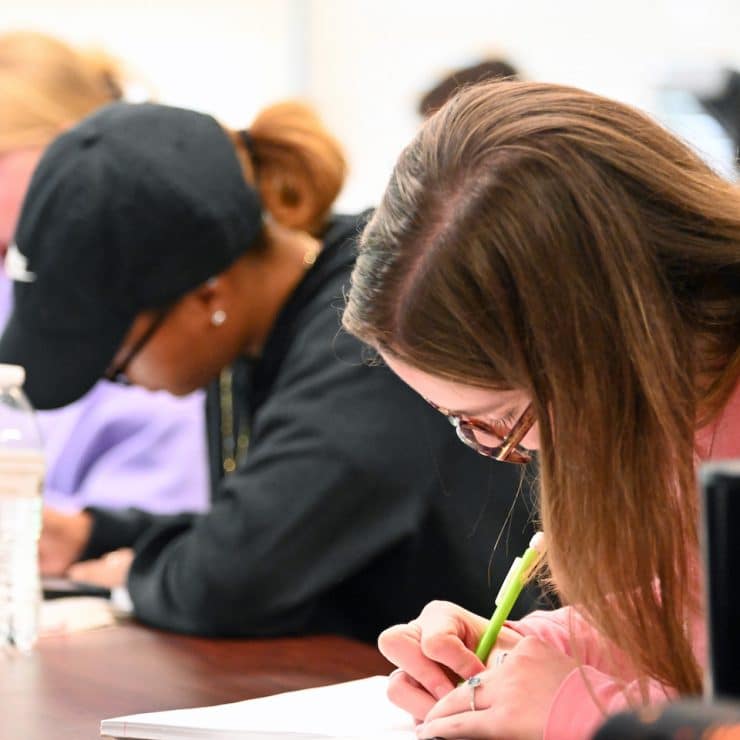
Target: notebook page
{"x":352,"y":710}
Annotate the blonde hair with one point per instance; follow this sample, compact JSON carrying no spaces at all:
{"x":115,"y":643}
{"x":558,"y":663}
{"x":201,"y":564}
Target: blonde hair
{"x":47,"y":86}
{"x":295,"y":163}
{"x":541,"y":237}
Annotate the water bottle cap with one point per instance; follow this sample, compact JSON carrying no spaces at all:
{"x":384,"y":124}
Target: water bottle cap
{"x":12,"y":376}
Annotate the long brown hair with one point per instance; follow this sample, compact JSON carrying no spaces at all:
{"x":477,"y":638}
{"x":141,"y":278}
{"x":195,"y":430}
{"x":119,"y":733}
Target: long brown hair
{"x":540,"y":237}
{"x":47,"y":86}
{"x":297,"y":165}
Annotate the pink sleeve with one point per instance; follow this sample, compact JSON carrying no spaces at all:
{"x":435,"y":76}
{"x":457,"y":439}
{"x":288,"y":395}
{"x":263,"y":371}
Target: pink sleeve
{"x":587,"y":696}
{"x":588,"y":693}
{"x":558,"y":628}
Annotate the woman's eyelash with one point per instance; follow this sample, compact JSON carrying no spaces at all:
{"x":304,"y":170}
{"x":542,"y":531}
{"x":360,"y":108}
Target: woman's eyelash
{"x":509,"y":417}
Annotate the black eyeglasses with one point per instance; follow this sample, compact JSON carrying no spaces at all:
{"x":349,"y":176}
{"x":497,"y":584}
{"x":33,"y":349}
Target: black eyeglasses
{"x":117,"y":374}
{"x":509,"y":450}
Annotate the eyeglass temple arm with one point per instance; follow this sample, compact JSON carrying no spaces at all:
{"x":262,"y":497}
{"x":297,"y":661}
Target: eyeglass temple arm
{"x":523,"y":425}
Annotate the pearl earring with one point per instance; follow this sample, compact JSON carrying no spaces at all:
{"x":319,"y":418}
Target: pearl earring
{"x":218,"y":317}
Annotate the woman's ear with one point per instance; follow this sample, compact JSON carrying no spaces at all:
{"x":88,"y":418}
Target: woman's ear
{"x":210,"y":299}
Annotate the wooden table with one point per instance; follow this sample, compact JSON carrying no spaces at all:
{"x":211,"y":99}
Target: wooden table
{"x":64,"y":689}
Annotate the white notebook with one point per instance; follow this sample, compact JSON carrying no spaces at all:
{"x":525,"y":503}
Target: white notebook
{"x":356,"y":710}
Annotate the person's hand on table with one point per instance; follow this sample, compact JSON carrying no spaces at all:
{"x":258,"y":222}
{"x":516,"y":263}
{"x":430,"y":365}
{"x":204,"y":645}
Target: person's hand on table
{"x":63,"y":539}
{"x":434,"y":652}
{"x":110,"y":571}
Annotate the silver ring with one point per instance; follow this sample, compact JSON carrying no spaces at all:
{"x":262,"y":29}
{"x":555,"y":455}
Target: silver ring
{"x":474,"y":682}
{"x":500,"y":657}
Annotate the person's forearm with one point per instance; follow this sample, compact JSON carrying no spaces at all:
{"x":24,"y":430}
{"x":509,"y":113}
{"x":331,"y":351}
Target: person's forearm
{"x":175,"y":585}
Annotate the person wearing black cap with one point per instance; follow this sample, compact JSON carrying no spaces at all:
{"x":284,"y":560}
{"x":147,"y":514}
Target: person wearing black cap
{"x":156,"y":246}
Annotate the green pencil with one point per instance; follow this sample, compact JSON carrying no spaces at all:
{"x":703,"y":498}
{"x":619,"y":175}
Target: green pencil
{"x":512,"y":586}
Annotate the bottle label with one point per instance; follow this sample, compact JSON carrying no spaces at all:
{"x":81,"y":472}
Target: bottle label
{"x":21,"y":473}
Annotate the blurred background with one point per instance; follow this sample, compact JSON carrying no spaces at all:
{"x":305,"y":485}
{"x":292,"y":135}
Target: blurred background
{"x":365,"y":64}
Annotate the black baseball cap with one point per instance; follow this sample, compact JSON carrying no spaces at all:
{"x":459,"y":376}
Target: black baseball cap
{"x":129,"y":210}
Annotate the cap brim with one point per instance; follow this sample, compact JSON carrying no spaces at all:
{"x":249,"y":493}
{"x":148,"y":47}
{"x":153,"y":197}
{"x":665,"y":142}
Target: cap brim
{"x":59,"y":369}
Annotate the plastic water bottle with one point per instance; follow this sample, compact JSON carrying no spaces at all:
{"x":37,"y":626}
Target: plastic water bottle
{"x":21,"y":480}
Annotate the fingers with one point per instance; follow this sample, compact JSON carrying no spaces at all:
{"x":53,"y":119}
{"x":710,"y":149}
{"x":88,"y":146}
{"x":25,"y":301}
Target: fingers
{"x":432,"y":652}
{"x":402,"y":646}
{"x":109,"y":571}
{"x":89,"y":571}
{"x":449,"y":635}
{"x":470,"y":725}
{"x":437,"y":647}
{"x":483,"y":696}
{"x":514,"y":693}
{"x":408,"y":694}
{"x":459,"y":700}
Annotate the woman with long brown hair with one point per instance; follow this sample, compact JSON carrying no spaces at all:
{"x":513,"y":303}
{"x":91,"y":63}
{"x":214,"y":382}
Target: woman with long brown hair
{"x":168,"y":250}
{"x":553,"y":270}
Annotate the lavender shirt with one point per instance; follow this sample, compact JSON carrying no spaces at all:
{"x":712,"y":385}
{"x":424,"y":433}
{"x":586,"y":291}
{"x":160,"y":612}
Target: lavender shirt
{"x":123,"y":446}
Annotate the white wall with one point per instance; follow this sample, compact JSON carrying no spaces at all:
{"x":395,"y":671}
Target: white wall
{"x":226,"y":57}
{"x":364,"y":63}
{"x":370,"y":59}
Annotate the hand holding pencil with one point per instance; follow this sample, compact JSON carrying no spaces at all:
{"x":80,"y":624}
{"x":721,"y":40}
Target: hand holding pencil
{"x":438,"y":648}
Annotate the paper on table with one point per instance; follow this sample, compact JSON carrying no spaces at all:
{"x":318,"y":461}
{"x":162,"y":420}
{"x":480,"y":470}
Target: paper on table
{"x":355,"y":710}
{"x":74,"y":614}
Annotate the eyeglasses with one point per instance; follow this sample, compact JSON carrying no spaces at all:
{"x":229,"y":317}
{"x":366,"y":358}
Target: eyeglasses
{"x":117,"y":374}
{"x":509,"y":450}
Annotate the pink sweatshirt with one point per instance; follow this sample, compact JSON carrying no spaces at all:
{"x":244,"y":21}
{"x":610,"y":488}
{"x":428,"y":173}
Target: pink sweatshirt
{"x":573,"y":713}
